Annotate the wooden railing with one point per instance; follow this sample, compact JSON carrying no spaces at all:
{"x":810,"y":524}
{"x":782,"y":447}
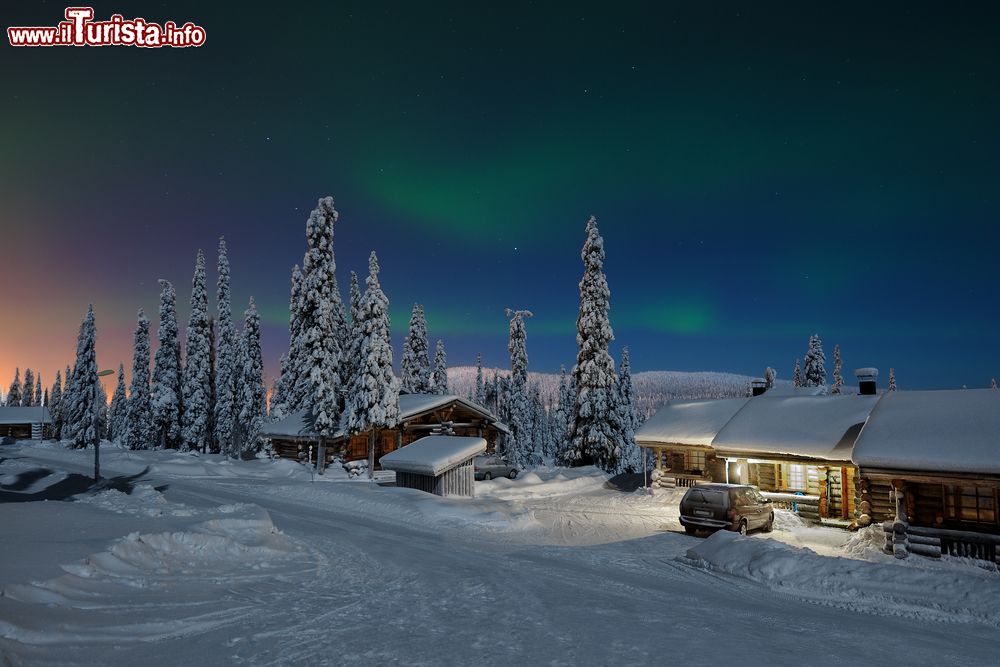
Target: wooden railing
{"x":806,"y":507}
{"x":937,"y":542}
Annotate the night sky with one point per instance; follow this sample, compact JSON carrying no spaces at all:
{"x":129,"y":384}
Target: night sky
{"x":759,"y":172}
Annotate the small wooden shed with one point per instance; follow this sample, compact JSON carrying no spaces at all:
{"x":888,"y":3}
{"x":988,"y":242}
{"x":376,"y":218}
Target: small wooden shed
{"x":438,"y":464}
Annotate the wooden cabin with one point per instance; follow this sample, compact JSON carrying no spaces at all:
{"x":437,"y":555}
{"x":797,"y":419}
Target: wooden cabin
{"x":680,"y":438}
{"x":438,"y":464}
{"x":798,"y":448}
{"x":419,"y":415}
{"x":929,"y":464}
{"x":34,"y":423}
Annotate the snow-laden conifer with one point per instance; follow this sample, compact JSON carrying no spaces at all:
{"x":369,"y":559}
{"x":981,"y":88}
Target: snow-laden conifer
{"x":55,"y":404}
{"x":166,"y":390}
{"x":892,"y":380}
{"x":28,"y":389}
{"x":38,"y":390}
{"x":319,"y":367}
{"x":440,"y":379}
{"x":415,"y":365}
{"x":480,"y":392}
{"x":815,"y":364}
{"x":139,"y":420}
{"x":14,"y":392}
{"x":196,"y":386}
{"x":838,"y":378}
{"x":519,"y":408}
{"x":770,"y":375}
{"x":373,"y":401}
{"x":594,"y":437}
{"x":797,"y":375}
{"x":118,"y":414}
{"x":83,"y":417}
{"x":631,"y":460}
{"x":226,"y":365}
{"x":251,"y":384}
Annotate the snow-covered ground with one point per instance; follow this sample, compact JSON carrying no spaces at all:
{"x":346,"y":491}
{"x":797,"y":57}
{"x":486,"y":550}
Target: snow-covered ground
{"x":207,"y":561}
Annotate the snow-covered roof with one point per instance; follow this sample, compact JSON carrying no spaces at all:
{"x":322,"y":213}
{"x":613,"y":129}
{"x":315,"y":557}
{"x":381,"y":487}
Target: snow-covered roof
{"x":692,"y":422}
{"x":410,"y":405}
{"x":811,"y":427}
{"x":19,"y":415}
{"x":433,"y":454}
{"x":941,"y":431}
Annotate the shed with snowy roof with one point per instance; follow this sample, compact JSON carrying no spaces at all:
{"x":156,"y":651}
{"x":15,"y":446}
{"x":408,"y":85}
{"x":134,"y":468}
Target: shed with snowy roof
{"x":25,"y":422}
{"x":438,"y":464}
{"x":930,"y":466}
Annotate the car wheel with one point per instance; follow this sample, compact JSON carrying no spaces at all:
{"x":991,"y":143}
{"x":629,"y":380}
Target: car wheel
{"x":769,"y":526}
{"x":513,"y":474}
{"x":689,"y":530}
{"x":487,"y":476}
{"x":743,"y":527}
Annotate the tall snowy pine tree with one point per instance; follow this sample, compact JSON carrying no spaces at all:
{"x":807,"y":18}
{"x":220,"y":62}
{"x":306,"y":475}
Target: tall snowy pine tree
{"x":28,"y":389}
{"x":373,"y":401}
{"x":55,"y":404}
{"x":480,"y":392}
{"x":797,"y":375}
{"x":440,"y":378}
{"x":195,"y":387}
{"x":521,"y":446}
{"x":14,"y":393}
{"x":415,"y":366}
{"x":631,"y":460}
{"x":139,"y":422}
{"x":226,"y":363}
{"x":83,"y":417}
{"x":251,"y":384}
{"x":594,"y":437}
{"x":118,"y":417}
{"x":838,"y":378}
{"x":319,"y":365}
{"x":166,"y":392}
{"x":892,"y":380}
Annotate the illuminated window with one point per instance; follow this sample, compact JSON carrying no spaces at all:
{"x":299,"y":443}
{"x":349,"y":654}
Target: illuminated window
{"x":796,"y":478}
{"x":696,"y":460}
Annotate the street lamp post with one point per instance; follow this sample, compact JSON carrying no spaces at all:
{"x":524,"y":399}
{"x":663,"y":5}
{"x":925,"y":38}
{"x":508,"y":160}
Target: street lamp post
{"x":97,"y":428}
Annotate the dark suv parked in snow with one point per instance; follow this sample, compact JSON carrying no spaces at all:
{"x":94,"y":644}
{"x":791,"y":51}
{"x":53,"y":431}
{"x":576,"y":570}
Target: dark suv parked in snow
{"x":731,"y":506}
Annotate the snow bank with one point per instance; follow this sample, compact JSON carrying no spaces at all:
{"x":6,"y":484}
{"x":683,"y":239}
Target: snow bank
{"x":921,"y":588}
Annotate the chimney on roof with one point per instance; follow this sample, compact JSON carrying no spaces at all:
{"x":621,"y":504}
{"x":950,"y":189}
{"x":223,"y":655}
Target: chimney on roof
{"x":758,"y":386}
{"x":866,"y":381}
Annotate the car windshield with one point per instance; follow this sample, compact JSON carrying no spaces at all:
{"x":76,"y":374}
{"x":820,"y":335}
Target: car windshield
{"x":705,"y":496}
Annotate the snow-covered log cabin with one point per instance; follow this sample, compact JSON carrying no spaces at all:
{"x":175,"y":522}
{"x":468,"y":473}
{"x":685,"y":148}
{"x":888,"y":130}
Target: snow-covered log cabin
{"x":438,"y":464}
{"x":930,"y":468}
{"x":419,"y":415}
{"x":23,"y":423}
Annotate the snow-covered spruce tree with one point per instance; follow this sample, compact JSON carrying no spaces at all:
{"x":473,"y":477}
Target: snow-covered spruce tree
{"x":117,"y":418}
{"x":594,"y":437}
{"x":38,"y":390}
{"x":480,"y":392}
{"x":349,"y":360}
{"x":797,"y":375}
{"x":55,"y":405}
{"x":440,"y":369}
{"x":277,"y":401}
{"x":770,"y":375}
{"x":213,"y":445}
{"x":251,"y":384}
{"x":993,"y":383}
{"x":560,"y":416}
{"x":272,"y":413}
{"x":518,"y":405}
{"x":838,"y":378}
{"x":139,"y":421}
{"x":415,"y":366}
{"x":28,"y":389}
{"x":319,"y":364}
{"x":83,"y":417}
{"x":225,"y":359}
{"x":815,"y":364}
{"x":14,"y":392}
{"x":290,"y":393}
{"x":373,"y":401}
{"x":65,"y":401}
{"x":631,"y":458}
{"x":195,"y":387}
{"x":166,"y":391}
{"x":541,"y":434}
{"x":892,"y":380}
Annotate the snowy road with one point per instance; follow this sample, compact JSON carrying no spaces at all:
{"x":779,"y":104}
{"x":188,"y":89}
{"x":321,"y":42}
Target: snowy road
{"x":265,"y":571}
